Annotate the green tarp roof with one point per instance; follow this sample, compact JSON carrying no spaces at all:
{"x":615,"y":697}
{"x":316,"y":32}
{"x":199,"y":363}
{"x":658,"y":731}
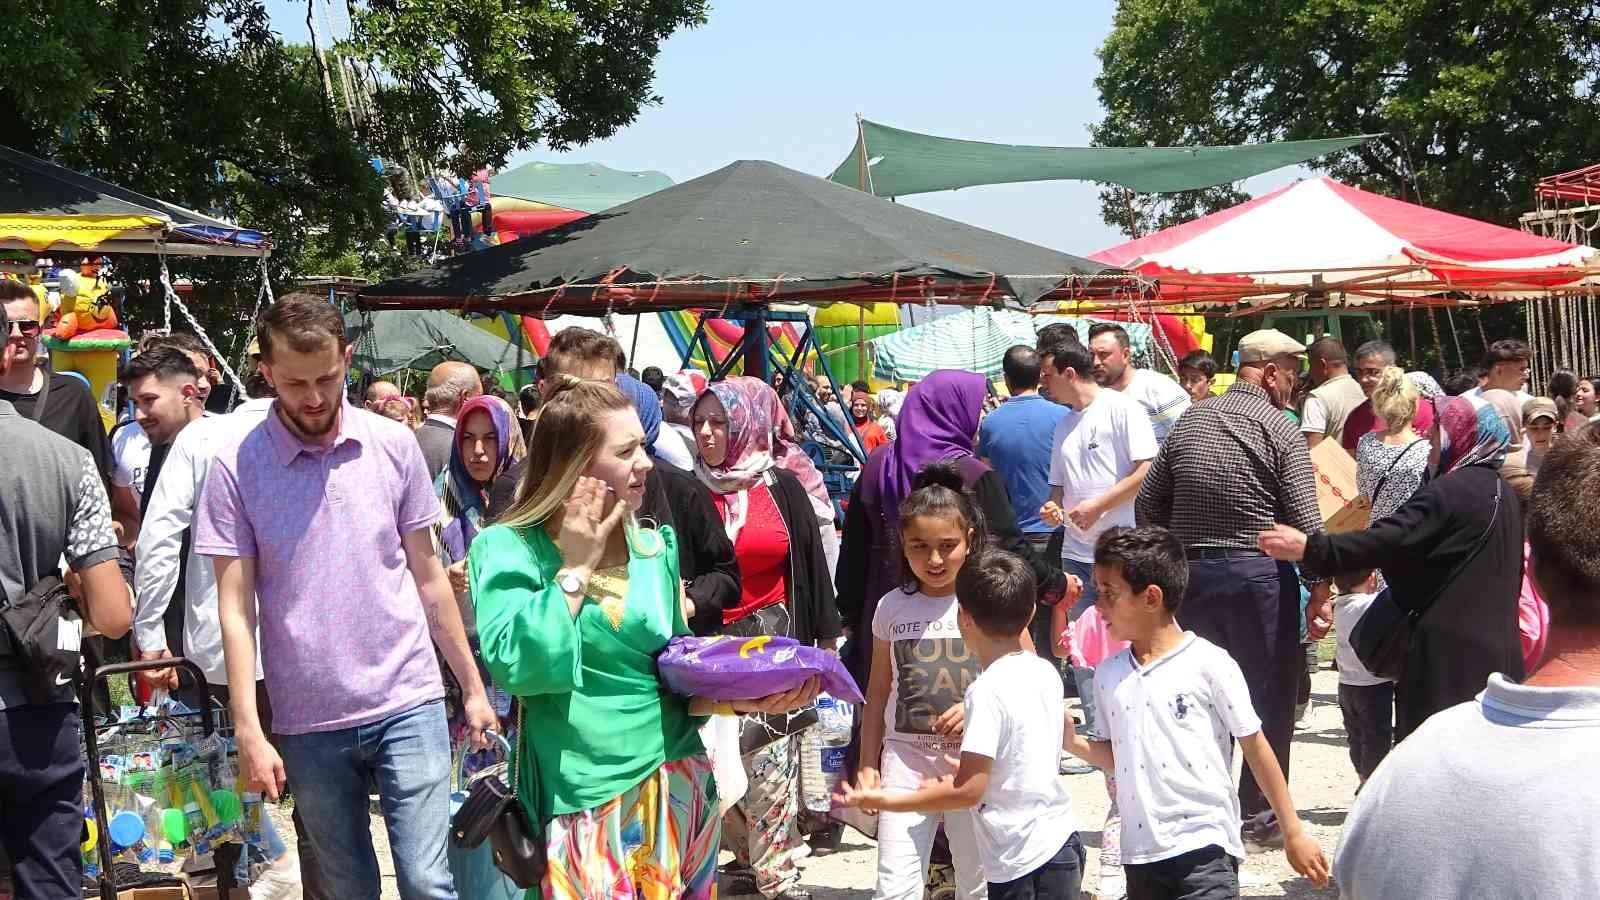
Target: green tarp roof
{"x":586,"y":187}
{"x":899,"y":163}
{"x":389,"y":341}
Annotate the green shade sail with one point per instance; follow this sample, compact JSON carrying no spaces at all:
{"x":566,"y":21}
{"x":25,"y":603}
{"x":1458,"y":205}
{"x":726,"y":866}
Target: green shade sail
{"x":891,"y":162}
{"x":418,"y":340}
{"x":586,"y":187}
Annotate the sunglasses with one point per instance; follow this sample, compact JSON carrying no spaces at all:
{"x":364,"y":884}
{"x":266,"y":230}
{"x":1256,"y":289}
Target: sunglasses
{"x":26,"y":327}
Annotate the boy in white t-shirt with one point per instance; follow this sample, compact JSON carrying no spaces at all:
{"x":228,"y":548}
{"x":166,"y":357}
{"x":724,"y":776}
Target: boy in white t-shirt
{"x":1366,"y":700}
{"x":1171,"y":706}
{"x":1015,"y":713}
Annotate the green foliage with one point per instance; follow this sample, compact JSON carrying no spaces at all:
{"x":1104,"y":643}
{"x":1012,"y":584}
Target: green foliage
{"x":1476,"y":98}
{"x":201,"y":103}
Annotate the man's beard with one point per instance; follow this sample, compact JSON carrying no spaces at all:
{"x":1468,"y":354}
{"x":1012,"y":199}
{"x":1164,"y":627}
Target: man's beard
{"x":313,"y":429}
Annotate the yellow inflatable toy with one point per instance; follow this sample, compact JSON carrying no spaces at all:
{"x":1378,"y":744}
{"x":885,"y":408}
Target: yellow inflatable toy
{"x":86,"y":338}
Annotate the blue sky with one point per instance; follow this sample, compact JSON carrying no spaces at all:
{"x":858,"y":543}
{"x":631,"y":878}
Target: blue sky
{"x":783,"y":80}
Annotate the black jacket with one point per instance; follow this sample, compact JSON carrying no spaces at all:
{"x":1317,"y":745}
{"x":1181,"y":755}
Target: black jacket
{"x":705,"y":555}
{"x":1468,"y":627}
{"x":813,"y":614}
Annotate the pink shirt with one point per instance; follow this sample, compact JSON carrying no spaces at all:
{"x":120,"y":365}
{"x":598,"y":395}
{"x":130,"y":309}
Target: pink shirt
{"x":344,"y":640}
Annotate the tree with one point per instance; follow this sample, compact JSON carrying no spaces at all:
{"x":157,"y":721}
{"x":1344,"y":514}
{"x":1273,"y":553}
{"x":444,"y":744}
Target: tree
{"x":1476,"y":98}
{"x":201,"y":103}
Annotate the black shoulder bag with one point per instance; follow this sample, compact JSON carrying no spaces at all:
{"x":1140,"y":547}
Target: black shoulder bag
{"x":41,"y":633}
{"x":1382,"y":636}
{"x":493,"y":812}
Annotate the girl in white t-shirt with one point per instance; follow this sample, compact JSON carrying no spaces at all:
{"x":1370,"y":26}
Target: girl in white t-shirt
{"x":921,"y":669}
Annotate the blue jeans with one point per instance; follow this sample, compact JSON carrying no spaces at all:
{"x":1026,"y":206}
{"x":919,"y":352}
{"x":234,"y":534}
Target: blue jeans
{"x":408,"y":755}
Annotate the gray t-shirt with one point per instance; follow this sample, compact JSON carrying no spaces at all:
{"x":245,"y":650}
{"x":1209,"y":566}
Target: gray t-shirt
{"x":52,"y":506}
{"x":1497,"y":798}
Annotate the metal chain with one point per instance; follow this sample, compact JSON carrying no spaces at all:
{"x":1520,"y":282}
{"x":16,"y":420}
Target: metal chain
{"x":173,"y":299}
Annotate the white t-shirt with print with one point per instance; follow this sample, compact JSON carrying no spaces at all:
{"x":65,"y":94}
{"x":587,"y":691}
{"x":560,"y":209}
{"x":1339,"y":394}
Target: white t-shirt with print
{"x":1015,"y":717}
{"x":1163,"y":399}
{"x":1172,"y":725}
{"x":1093,"y":450}
{"x":130,"y":449}
{"x":931,"y":669}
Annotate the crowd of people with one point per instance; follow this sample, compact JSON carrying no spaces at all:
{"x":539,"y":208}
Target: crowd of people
{"x":393,"y":578}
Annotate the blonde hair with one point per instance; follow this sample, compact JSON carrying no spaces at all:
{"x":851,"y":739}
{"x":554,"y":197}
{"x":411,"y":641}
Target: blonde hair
{"x":1395,"y":400}
{"x":564,"y":441}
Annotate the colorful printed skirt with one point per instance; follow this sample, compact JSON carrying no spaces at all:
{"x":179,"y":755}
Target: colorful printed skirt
{"x":658,"y":841}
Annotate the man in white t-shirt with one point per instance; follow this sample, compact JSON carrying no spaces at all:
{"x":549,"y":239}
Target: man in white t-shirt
{"x":1102,"y":451}
{"x":1507,"y":364}
{"x":130,"y":455}
{"x":1163,"y":399}
{"x":1021,"y":814}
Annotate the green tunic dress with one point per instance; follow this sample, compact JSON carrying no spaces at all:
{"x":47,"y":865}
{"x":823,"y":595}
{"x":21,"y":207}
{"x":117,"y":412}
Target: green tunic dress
{"x":598,"y":721}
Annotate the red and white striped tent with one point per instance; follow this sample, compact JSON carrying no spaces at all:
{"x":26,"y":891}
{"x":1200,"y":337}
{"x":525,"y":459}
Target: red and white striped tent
{"x":1328,"y":240}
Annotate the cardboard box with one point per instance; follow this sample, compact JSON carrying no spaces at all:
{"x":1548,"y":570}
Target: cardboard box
{"x":204,"y":887}
{"x":1342,"y":506}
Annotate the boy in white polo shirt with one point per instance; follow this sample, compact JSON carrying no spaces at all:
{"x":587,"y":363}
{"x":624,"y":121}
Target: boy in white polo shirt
{"x":1015,"y":713}
{"x":1171,"y":706}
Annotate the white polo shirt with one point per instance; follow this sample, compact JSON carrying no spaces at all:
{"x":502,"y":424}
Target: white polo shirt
{"x":1172,"y":725}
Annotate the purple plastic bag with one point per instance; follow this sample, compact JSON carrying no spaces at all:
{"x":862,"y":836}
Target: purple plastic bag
{"x":739,"y":668}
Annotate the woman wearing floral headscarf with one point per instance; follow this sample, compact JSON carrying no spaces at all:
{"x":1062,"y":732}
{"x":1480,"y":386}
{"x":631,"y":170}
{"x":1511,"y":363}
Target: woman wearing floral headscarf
{"x":1452,"y":554}
{"x":786,"y":590}
{"x":487,"y":441}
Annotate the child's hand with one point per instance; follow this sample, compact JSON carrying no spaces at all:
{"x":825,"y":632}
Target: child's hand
{"x":952,"y":722}
{"x":866,"y":793}
{"x":1074,"y":591}
{"x":1305,"y":856}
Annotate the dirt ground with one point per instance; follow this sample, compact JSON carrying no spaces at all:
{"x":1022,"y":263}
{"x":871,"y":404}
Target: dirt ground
{"x":1321,"y":780}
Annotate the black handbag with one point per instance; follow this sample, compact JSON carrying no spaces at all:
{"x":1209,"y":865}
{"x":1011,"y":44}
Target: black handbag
{"x":41,"y":634}
{"x":1382,"y":636}
{"x":492,"y":811}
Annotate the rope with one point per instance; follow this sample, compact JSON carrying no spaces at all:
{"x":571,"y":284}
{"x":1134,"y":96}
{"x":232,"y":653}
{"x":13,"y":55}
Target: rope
{"x":172,"y":299}
{"x":264,"y":298}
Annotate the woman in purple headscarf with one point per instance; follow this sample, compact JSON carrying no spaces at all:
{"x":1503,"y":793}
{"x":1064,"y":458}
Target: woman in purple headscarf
{"x":1452,"y":554}
{"x":938,"y":421}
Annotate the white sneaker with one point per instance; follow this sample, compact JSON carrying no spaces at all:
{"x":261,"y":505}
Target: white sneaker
{"x":281,"y":880}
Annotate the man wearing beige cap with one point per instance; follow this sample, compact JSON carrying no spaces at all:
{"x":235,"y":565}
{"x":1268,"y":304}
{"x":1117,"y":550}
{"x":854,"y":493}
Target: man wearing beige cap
{"x":1231,"y":468}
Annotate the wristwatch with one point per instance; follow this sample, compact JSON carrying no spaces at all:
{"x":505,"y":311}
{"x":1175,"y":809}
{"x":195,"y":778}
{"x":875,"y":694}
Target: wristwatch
{"x":571,"y":582}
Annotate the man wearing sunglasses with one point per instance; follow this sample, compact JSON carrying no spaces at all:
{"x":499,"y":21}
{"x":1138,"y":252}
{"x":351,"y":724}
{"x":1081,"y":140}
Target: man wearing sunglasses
{"x":59,"y":402}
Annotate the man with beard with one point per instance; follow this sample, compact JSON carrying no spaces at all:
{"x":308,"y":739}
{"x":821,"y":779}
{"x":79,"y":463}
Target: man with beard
{"x":1232,"y":468}
{"x":321,"y":518}
{"x":1162,"y":398}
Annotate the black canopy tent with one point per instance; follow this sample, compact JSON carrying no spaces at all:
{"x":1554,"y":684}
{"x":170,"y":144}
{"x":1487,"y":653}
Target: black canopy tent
{"x":751,"y":232}
{"x":738,"y":240}
{"x":47,"y":208}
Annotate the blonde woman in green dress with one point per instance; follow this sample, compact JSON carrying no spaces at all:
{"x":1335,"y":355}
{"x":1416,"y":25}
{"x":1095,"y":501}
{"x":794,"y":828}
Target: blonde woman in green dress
{"x":574,"y":599}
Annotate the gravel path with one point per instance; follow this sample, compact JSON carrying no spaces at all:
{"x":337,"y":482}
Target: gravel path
{"x":1322,"y":781}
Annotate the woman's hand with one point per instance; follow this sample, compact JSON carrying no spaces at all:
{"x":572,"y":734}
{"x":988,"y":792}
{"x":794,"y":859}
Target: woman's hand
{"x":1283,"y":543}
{"x":865,"y":794}
{"x":457,"y":573}
{"x":586,"y":526}
{"x":780,"y":703}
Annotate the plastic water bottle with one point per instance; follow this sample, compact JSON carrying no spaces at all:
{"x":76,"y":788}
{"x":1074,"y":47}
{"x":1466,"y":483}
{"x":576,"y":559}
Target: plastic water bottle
{"x":822,"y":752}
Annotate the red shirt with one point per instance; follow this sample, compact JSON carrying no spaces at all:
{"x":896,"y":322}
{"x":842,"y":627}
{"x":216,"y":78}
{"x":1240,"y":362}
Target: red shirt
{"x":763,"y":554}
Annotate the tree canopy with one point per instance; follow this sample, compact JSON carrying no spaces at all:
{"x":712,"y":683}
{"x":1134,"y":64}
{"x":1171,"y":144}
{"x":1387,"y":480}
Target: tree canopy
{"x":1477,"y":98}
{"x":202,"y":103}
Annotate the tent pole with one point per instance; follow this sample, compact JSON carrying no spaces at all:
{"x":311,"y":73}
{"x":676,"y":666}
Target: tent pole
{"x":755,"y":343}
{"x":633,"y":348}
{"x":861,"y":155}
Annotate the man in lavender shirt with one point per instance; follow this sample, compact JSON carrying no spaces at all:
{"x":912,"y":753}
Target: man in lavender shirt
{"x":318,"y":519}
